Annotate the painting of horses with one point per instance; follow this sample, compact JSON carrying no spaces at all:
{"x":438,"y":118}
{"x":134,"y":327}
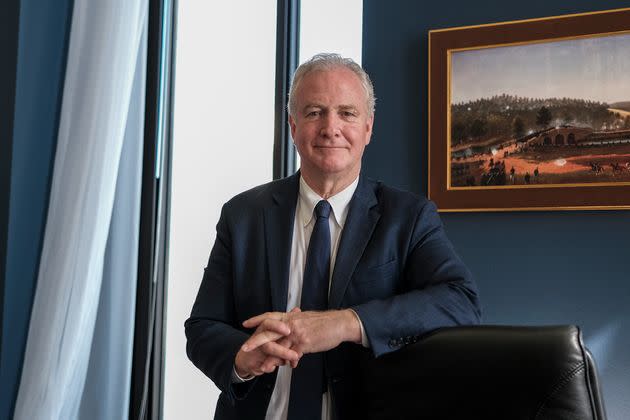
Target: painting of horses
{"x":531,"y":115}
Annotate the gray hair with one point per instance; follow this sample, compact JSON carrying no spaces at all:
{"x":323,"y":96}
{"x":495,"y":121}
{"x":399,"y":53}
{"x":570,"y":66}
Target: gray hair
{"x":329,"y":61}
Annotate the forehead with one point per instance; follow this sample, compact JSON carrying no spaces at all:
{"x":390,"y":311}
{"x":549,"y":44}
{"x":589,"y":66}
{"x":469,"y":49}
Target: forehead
{"x":338,"y":85}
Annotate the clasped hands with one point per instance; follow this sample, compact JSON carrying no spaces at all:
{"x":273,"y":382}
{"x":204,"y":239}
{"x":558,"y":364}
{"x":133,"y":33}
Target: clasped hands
{"x":284,"y":337}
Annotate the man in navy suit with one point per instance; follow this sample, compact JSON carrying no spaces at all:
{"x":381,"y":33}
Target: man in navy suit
{"x":389,"y":273}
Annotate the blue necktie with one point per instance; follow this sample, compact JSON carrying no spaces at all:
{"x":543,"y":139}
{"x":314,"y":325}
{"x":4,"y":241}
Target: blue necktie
{"x":307,"y":380}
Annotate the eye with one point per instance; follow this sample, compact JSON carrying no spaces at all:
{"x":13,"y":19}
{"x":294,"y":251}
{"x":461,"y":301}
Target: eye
{"x":348,"y":114}
{"x":314,"y":113}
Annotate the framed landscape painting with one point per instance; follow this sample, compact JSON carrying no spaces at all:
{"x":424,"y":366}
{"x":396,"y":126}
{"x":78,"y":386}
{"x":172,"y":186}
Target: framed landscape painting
{"x":531,"y":115}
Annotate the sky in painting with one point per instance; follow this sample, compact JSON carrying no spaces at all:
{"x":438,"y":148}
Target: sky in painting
{"x":595,"y":69}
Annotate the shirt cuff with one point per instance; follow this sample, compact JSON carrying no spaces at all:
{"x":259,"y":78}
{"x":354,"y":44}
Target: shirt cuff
{"x":364,"y":340}
{"x":236,"y":379}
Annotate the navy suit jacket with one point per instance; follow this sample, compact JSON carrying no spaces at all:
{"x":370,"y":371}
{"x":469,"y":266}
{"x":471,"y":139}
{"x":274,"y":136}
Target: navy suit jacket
{"x":394,"y":267}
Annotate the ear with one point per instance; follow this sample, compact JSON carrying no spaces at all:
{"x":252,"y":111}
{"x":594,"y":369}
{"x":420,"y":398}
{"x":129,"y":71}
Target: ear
{"x":368,"y":129}
{"x":292,"y":125}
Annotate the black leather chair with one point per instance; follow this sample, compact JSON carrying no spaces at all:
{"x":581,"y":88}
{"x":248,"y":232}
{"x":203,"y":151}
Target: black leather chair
{"x":487,"y":372}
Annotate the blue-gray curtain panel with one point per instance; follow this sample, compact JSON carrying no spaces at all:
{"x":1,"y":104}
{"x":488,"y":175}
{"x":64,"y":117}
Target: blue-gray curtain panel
{"x":41,"y":58}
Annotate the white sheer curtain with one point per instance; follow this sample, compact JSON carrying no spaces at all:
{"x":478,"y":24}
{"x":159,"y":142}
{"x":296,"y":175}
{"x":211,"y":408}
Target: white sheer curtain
{"x":106,"y":393}
{"x":105,"y":42}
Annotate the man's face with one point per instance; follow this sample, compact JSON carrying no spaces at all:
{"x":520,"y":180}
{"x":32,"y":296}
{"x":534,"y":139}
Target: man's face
{"x":332,"y":126}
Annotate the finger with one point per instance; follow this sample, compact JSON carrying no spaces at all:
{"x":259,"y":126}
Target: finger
{"x":285,"y":342}
{"x":269,"y":369}
{"x":276,"y":350}
{"x":294,"y":363}
{"x":270,"y":364}
{"x":258,"y":319}
{"x":296,"y":309}
{"x":260,"y":339}
{"x":299,"y":349}
{"x":269,"y":330}
{"x":275,"y":325}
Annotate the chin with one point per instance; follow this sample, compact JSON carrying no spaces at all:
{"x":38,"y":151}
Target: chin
{"x":333,"y":170}
{"x":332,"y":167}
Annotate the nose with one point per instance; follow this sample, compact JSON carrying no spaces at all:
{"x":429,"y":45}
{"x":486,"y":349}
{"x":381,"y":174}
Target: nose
{"x":330,"y":126}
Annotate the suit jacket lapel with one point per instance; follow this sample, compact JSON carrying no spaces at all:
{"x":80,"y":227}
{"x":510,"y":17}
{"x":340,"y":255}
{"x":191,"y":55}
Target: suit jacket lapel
{"x":279,"y":221}
{"x":362,"y":217}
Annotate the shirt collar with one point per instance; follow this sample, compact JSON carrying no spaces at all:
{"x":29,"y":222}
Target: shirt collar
{"x":339,"y":202}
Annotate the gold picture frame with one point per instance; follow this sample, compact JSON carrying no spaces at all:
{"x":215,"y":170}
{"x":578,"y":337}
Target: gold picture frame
{"x":531,"y":114}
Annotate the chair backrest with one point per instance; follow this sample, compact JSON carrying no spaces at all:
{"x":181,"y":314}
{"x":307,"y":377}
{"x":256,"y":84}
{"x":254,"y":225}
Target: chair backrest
{"x":487,"y":372}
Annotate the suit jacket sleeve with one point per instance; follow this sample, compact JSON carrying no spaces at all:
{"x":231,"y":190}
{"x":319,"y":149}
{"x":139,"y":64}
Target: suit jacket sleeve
{"x":212,"y":338}
{"x":437,"y":290}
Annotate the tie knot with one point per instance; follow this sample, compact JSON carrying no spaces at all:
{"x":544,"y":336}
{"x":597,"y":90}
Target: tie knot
{"x":322,"y":209}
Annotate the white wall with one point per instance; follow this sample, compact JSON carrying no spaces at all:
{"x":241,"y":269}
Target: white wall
{"x":331,"y":26}
{"x":222,"y":144}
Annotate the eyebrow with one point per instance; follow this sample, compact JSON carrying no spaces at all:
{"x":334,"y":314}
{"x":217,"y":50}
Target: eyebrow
{"x":340,"y":107}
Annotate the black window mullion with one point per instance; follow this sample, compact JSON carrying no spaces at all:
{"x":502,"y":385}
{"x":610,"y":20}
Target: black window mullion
{"x":147,"y":368}
{"x":287,"y":56}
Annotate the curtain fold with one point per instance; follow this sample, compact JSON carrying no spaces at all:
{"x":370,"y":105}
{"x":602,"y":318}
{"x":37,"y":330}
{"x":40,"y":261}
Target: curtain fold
{"x":106,"y":394}
{"x":87,"y":189}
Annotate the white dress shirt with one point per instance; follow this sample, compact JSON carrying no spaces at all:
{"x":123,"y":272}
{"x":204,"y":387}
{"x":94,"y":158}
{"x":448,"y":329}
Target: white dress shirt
{"x":302,"y":229}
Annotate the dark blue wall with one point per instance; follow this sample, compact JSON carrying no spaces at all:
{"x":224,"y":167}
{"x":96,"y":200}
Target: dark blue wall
{"x":42,"y":46}
{"x":531,"y":267}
